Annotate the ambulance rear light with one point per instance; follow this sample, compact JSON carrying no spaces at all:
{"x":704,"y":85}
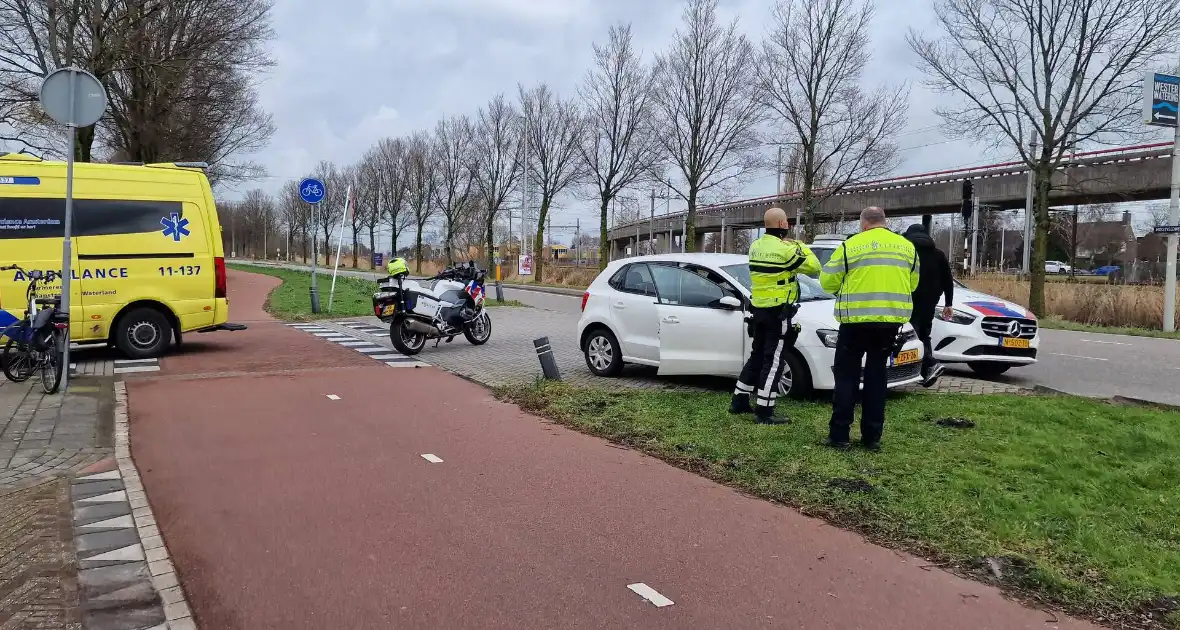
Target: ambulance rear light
{"x":219,"y":279}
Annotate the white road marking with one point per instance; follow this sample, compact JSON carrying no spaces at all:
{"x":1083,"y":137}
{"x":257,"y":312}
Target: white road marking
{"x":331,"y":335}
{"x":433,"y":459}
{"x":333,"y":397}
{"x":126,"y":361}
{"x":384,"y":357}
{"x":650,"y":594}
{"x":1113,"y":343}
{"x":370,"y":349}
{"x":1075,"y":356}
{"x":141,"y":368}
{"x":354,"y":342}
{"x":402,"y":364}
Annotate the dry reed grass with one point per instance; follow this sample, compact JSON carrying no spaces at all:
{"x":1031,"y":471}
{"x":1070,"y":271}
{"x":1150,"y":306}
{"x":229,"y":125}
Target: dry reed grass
{"x":1113,"y":305}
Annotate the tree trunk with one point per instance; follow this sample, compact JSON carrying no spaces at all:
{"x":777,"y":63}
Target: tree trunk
{"x":491,"y":237}
{"x":539,"y":242}
{"x":1036,"y":288}
{"x":418,"y":248}
{"x":690,"y":221}
{"x":355,"y":232}
{"x":84,"y":143}
{"x":450,"y":238}
{"x":372,"y":241}
{"x":327,"y":241}
{"x":603,"y":244}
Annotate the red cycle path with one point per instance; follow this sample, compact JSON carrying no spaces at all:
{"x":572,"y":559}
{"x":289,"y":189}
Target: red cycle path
{"x":285,"y":509}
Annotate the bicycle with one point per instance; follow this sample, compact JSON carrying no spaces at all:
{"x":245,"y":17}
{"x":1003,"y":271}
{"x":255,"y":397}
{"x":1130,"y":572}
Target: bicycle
{"x":37,"y":343}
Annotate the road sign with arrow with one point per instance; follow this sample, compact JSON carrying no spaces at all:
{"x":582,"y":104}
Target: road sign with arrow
{"x":1161,"y":99}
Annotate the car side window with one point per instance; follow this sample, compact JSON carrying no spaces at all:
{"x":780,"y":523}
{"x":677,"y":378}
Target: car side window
{"x":681,"y":287}
{"x":635,"y":279}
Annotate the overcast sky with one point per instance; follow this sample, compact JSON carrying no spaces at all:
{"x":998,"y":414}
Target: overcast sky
{"x":366,"y":69}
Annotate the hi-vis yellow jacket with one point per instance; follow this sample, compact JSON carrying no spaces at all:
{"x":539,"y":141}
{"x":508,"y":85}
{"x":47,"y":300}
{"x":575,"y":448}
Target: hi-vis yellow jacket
{"x":873,"y":275}
{"x":774,"y":262}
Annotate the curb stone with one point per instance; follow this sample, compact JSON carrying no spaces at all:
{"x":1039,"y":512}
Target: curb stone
{"x":164,"y":581}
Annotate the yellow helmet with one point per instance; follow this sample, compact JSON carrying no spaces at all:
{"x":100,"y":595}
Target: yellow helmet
{"x":397,"y":268}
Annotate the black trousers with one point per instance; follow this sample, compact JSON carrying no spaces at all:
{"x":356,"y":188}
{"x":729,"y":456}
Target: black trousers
{"x":873,"y":342}
{"x":922,"y":319}
{"x":772,"y":332}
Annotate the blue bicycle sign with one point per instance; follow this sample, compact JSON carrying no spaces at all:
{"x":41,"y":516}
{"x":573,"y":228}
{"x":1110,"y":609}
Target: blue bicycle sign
{"x":312,"y":190}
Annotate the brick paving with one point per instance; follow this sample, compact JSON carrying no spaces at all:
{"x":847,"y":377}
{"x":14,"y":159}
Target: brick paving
{"x":38,"y":588}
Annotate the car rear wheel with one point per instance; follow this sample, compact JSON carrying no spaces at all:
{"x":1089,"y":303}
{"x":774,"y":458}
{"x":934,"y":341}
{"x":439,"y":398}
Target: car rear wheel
{"x":604,"y":357}
{"x":988,"y":369}
{"x":796,"y":380}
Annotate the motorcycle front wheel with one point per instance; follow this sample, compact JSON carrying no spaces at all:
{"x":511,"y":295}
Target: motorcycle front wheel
{"x":478,"y":330}
{"x":405,"y":340}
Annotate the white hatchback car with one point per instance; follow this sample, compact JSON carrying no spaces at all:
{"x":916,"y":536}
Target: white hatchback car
{"x":685,"y":314}
{"x":990,"y":335}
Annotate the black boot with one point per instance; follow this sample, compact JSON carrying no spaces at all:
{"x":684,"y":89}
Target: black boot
{"x":740,"y":404}
{"x":765,"y":415}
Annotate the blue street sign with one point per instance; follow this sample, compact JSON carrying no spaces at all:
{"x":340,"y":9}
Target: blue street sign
{"x":312,"y":190}
{"x":1161,"y":99}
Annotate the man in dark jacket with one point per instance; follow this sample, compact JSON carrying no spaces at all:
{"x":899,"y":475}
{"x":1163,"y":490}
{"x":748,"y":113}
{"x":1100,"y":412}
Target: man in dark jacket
{"x":935,"y":281}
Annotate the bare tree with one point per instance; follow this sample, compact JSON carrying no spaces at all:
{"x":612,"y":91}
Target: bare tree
{"x":368,"y":195}
{"x":1157,"y":214}
{"x":553,"y":131}
{"x":619,"y":148}
{"x":496,"y":158}
{"x":705,"y":105}
{"x":453,"y":144}
{"x":391,"y":169}
{"x":421,"y":184}
{"x":296,"y":216}
{"x":330,"y":211}
{"x":1058,"y":73}
{"x":809,"y":75}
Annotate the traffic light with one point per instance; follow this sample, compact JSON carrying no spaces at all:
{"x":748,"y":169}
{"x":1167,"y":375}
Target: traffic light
{"x":968,"y":199}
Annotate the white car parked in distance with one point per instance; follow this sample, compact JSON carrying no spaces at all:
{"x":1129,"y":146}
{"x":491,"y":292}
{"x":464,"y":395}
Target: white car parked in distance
{"x":685,"y":314}
{"x":1056,"y":266}
{"x":990,"y":335}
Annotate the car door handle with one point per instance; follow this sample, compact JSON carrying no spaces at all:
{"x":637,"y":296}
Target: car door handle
{"x":671,"y":319}
{"x":620,"y":305}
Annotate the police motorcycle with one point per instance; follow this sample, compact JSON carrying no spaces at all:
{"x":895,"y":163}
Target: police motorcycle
{"x":452,"y":305}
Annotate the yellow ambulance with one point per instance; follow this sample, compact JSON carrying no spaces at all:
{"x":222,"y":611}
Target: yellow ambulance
{"x":148,"y":263}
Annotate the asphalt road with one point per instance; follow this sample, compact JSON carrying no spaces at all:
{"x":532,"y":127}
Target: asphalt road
{"x":1086,"y":364}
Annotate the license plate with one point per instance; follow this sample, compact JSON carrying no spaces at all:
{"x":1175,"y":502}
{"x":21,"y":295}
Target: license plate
{"x":388,"y":310}
{"x":907,"y":356}
{"x":1013,"y":342}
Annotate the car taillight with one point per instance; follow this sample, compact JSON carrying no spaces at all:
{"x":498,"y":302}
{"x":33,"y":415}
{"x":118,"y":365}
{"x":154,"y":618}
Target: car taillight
{"x":585,"y":296}
{"x":219,"y":277}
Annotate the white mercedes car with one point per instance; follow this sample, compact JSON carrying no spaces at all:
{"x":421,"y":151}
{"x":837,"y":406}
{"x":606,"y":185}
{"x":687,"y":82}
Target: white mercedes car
{"x":685,"y":314}
{"x":987,"y":333}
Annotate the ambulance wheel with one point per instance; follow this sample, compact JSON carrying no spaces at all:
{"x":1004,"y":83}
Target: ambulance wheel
{"x":143,"y":333}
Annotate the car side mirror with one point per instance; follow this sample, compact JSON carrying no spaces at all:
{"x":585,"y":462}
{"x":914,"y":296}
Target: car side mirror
{"x":730,"y":303}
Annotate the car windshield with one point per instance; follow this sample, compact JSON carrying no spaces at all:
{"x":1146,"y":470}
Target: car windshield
{"x":809,"y":289}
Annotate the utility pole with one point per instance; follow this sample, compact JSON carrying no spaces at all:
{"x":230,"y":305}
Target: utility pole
{"x":975,"y":235}
{"x":1173,"y":238}
{"x":651,"y":226}
{"x":1073,"y":243}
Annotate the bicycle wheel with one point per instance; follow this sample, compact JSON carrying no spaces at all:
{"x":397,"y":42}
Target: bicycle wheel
{"x":52,"y":364}
{"x":17,"y":361}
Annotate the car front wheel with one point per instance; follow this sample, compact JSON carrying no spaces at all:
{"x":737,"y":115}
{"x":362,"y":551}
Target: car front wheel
{"x":796,"y":380}
{"x":604,"y":357}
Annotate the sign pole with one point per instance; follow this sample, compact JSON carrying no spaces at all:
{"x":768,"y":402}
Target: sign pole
{"x":315,"y":258}
{"x":312,"y":192}
{"x":67,"y":255}
{"x":1174,"y":219}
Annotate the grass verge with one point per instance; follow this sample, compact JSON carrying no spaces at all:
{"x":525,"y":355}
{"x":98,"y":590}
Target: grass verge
{"x":1075,"y":501}
{"x":1062,"y":324}
{"x":353,"y":298}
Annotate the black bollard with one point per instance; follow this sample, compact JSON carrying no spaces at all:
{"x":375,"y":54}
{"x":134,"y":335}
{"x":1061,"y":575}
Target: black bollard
{"x":315,"y":300}
{"x":548,"y":361}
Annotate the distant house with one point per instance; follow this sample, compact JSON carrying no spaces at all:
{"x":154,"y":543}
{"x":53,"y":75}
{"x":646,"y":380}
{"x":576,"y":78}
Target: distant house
{"x":1107,"y":242}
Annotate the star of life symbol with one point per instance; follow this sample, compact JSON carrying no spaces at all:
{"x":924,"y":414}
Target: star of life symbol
{"x":175,"y":226}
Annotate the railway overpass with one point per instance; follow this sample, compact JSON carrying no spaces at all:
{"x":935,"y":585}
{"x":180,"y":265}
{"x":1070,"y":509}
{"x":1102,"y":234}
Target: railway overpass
{"x":1138,"y":173}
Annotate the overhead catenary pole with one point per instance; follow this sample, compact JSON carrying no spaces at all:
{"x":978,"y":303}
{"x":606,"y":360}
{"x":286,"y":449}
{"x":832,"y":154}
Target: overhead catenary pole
{"x":651,"y":226}
{"x":1028,"y":214}
{"x":974,"y":235}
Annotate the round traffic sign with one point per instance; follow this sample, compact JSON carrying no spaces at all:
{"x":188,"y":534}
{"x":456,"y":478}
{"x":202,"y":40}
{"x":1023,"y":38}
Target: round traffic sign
{"x":72,"y":96}
{"x":312,"y":190}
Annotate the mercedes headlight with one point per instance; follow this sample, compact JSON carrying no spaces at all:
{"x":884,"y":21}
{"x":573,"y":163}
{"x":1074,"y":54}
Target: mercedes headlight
{"x":957,"y":317}
{"x":827,"y":336}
